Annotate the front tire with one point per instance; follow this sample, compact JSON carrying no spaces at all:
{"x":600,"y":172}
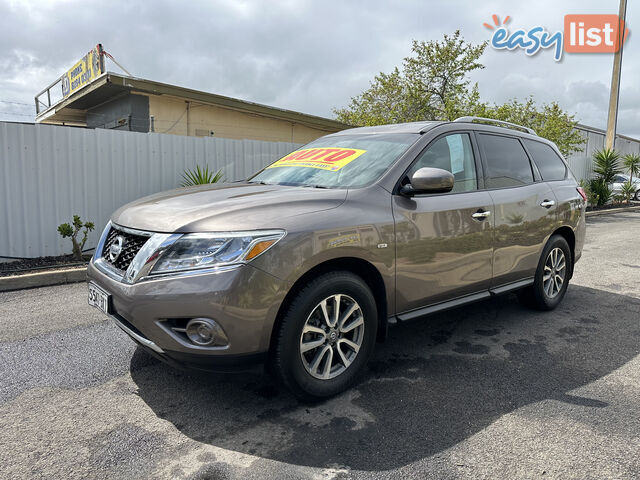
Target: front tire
{"x":327,"y":336}
{"x":637,"y":197}
{"x":552,"y":276}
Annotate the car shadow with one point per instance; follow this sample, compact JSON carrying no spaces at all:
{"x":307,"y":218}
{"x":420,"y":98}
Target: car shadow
{"x":432,"y":384}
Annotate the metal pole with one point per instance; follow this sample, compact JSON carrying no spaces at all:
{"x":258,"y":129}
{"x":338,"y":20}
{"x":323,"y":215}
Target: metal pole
{"x":615,"y":78}
{"x":188,"y":119}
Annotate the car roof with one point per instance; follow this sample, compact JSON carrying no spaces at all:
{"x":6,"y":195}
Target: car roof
{"x":410,"y":127}
{"x":478,"y":124}
{"x":486,"y":124}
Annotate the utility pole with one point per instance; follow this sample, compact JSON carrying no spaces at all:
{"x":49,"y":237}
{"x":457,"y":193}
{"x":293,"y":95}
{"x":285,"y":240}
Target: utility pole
{"x":615,"y":78}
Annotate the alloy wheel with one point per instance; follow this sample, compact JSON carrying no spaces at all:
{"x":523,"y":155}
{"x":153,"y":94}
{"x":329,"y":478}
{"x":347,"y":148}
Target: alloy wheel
{"x":555,"y":272}
{"x":332,"y":336}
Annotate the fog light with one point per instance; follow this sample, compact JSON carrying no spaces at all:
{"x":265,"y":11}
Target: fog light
{"x":205,"y":332}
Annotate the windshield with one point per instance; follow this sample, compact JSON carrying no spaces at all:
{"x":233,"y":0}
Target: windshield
{"x":338,"y":161}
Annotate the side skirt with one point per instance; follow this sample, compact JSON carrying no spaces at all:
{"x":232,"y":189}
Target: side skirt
{"x":458,"y":302}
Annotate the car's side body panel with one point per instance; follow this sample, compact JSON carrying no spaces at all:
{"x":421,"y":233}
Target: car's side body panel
{"x":361,"y":228}
{"x":571,"y":211}
{"x":522,"y":227}
{"x":442,"y":251}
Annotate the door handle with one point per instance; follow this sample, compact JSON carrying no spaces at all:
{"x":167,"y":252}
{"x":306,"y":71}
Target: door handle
{"x":548,"y":203}
{"x":481,"y":215}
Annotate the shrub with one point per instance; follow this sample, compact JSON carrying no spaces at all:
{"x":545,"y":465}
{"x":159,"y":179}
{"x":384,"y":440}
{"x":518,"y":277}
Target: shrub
{"x":627,"y":191}
{"x":591,"y":198}
{"x":72,"y":231}
{"x":200,"y":176}
{"x":599,"y":192}
{"x":606,"y":164}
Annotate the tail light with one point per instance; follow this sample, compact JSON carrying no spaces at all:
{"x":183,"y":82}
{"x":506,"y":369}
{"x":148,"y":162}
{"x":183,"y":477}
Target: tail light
{"x":582,"y":194}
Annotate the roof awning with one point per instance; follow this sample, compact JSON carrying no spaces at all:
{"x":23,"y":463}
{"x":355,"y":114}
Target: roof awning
{"x":110,"y":85}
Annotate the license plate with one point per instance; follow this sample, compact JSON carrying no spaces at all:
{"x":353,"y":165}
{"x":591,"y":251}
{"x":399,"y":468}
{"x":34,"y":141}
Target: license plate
{"x":98,"y":298}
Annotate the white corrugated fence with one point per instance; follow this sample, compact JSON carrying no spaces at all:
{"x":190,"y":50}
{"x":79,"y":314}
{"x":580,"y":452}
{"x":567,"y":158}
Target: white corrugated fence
{"x":49,"y":173}
{"x":580,"y":163}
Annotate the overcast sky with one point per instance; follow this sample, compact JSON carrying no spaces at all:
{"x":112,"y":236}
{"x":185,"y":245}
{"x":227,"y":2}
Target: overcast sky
{"x":304,"y":55}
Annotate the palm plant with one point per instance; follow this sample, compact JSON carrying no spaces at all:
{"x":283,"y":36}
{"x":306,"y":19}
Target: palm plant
{"x":631,"y":163}
{"x":606,"y":164}
{"x":200,"y":176}
{"x":627,"y":191}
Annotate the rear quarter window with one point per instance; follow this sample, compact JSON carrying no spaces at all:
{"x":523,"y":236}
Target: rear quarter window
{"x":507,"y":163}
{"x":547,"y":160}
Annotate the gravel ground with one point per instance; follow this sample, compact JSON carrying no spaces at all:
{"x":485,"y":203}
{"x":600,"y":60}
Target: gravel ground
{"x":491,"y":390}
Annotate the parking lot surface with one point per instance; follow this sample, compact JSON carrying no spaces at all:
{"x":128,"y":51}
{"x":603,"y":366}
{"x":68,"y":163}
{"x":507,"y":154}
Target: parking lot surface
{"x":491,"y":390}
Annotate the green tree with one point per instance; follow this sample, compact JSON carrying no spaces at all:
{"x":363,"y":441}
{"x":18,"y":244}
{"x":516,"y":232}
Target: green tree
{"x":433,"y":84}
{"x":548,"y":120}
{"x":72,"y":230}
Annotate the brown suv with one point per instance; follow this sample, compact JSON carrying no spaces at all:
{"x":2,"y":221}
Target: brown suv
{"x":306,"y":263}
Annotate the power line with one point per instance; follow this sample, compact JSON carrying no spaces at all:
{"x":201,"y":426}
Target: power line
{"x":18,"y":114}
{"x":17,"y":103}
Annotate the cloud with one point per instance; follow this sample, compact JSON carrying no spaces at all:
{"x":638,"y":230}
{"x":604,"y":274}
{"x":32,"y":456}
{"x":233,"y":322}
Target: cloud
{"x":304,"y":55}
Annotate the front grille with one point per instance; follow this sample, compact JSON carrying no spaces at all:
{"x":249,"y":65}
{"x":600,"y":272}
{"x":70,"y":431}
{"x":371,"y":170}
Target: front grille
{"x":131,"y":245}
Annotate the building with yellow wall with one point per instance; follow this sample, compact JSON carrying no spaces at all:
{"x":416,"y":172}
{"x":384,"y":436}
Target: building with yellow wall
{"x":121,"y":102}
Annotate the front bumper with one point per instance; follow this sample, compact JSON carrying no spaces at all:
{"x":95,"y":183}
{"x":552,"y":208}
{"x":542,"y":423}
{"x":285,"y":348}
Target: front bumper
{"x":243,"y":300}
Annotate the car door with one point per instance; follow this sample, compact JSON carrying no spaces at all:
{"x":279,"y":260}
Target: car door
{"x":618,"y":181}
{"x":443,"y":241}
{"x":524,"y":208}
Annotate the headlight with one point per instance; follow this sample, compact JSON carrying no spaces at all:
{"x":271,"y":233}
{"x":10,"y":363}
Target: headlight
{"x":208,"y":250}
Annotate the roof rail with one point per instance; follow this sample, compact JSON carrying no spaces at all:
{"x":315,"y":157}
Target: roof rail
{"x":498,"y":122}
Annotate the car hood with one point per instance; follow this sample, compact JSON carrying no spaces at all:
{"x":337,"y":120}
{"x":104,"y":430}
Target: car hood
{"x":226,"y":207}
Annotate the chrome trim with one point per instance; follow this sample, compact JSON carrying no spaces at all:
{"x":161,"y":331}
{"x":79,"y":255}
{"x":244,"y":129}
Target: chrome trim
{"x":103,"y":238}
{"x":481,"y":215}
{"x":175,"y":333}
{"x":148,"y":255}
{"x":108,"y":269}
{"x":146,"y":342}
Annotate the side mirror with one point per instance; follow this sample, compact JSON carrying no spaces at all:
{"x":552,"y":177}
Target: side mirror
{"x":429,"y":180}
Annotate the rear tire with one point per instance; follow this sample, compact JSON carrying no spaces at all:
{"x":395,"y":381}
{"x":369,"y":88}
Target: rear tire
{"x":637,"y":197}
{"x":319,"y":353}
{"x":551,"y":278}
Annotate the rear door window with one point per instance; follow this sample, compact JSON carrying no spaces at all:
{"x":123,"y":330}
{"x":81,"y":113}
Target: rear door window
{"x":549,"y":163}
{"x":506,"y":161}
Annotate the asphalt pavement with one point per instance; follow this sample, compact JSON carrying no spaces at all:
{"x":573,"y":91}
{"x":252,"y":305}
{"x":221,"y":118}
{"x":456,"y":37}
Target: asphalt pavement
{"x":491,"y":390}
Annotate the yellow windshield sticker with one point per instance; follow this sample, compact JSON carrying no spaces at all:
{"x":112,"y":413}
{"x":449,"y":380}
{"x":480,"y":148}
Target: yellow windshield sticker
{"x":332,"y":159}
